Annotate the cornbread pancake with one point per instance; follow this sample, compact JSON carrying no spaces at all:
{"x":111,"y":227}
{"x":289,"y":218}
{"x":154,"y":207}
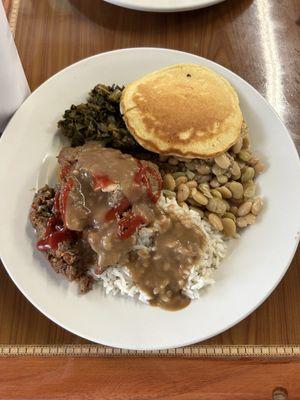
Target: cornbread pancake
{"x":185,"y":110}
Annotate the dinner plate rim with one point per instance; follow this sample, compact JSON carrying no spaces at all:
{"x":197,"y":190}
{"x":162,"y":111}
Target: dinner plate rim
{"x":131,"y":5}
{"x":183,"y":343}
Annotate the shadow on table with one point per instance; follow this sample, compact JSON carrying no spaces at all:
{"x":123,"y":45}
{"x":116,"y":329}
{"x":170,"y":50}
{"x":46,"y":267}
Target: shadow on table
{"x":122,"y":19}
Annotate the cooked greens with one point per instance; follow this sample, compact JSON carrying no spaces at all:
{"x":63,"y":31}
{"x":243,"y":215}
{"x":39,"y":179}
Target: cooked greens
{"x":98,"y":119}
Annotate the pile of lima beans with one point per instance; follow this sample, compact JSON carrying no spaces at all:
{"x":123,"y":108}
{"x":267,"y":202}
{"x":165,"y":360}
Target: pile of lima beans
{"x":221,"y":189}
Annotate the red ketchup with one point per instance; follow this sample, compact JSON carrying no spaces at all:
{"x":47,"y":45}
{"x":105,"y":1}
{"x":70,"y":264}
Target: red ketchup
{"x":101,"y":181}
{"x":118,"y":210}
{"x":128,"y":224}
{"x":141,"y":177}
{"x":55,"y":233}
{"x":64,"y":171}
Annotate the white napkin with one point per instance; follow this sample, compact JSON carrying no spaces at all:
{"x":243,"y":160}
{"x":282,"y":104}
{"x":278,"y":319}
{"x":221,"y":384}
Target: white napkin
{"x":13,"y":84}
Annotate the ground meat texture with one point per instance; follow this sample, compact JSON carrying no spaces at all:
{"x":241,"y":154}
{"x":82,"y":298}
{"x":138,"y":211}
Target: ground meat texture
{"x":42,"y":209}
{"x":66,"y":259}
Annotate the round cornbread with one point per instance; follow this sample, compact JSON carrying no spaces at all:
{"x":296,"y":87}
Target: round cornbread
{"x":185,"y":110}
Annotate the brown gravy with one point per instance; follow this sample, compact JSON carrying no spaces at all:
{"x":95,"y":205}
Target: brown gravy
{"x":163,"y":272}
{"x":106,"y":197}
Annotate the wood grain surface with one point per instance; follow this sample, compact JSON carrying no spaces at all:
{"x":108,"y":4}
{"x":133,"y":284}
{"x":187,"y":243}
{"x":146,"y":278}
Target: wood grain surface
{"x":259,"y":40}
{"x":155,"y":379}
{"x":7,"y":6}
{"x":11,"y":8}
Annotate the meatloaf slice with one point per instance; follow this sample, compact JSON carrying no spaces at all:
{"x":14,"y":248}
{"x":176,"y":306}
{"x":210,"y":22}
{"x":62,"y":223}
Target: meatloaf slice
{"x":66,"y":259}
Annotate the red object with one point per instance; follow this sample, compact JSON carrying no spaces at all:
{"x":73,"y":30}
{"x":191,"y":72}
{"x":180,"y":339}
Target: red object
{"x":118,"y":210}
{"x":142,"y":178}
{"x":55,"y":233}
{"x":55,"y":229}
{"x":64,"y":196}
{"x":64,"y":171}
{"x":100,"y":181}
{"x":54,"y":223}
{"x":128,"y":224}
{"x":56,"y":207}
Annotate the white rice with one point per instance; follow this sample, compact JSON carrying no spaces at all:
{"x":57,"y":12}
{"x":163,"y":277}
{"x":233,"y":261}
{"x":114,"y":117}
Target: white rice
{"x":117,"y":280}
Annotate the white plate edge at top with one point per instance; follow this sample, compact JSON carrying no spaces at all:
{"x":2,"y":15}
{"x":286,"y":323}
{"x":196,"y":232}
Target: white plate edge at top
{"x":188,"y":6}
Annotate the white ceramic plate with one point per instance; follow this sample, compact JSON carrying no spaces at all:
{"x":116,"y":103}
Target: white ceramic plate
{"x":164,"y":5}
{"x":255,"y":265}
